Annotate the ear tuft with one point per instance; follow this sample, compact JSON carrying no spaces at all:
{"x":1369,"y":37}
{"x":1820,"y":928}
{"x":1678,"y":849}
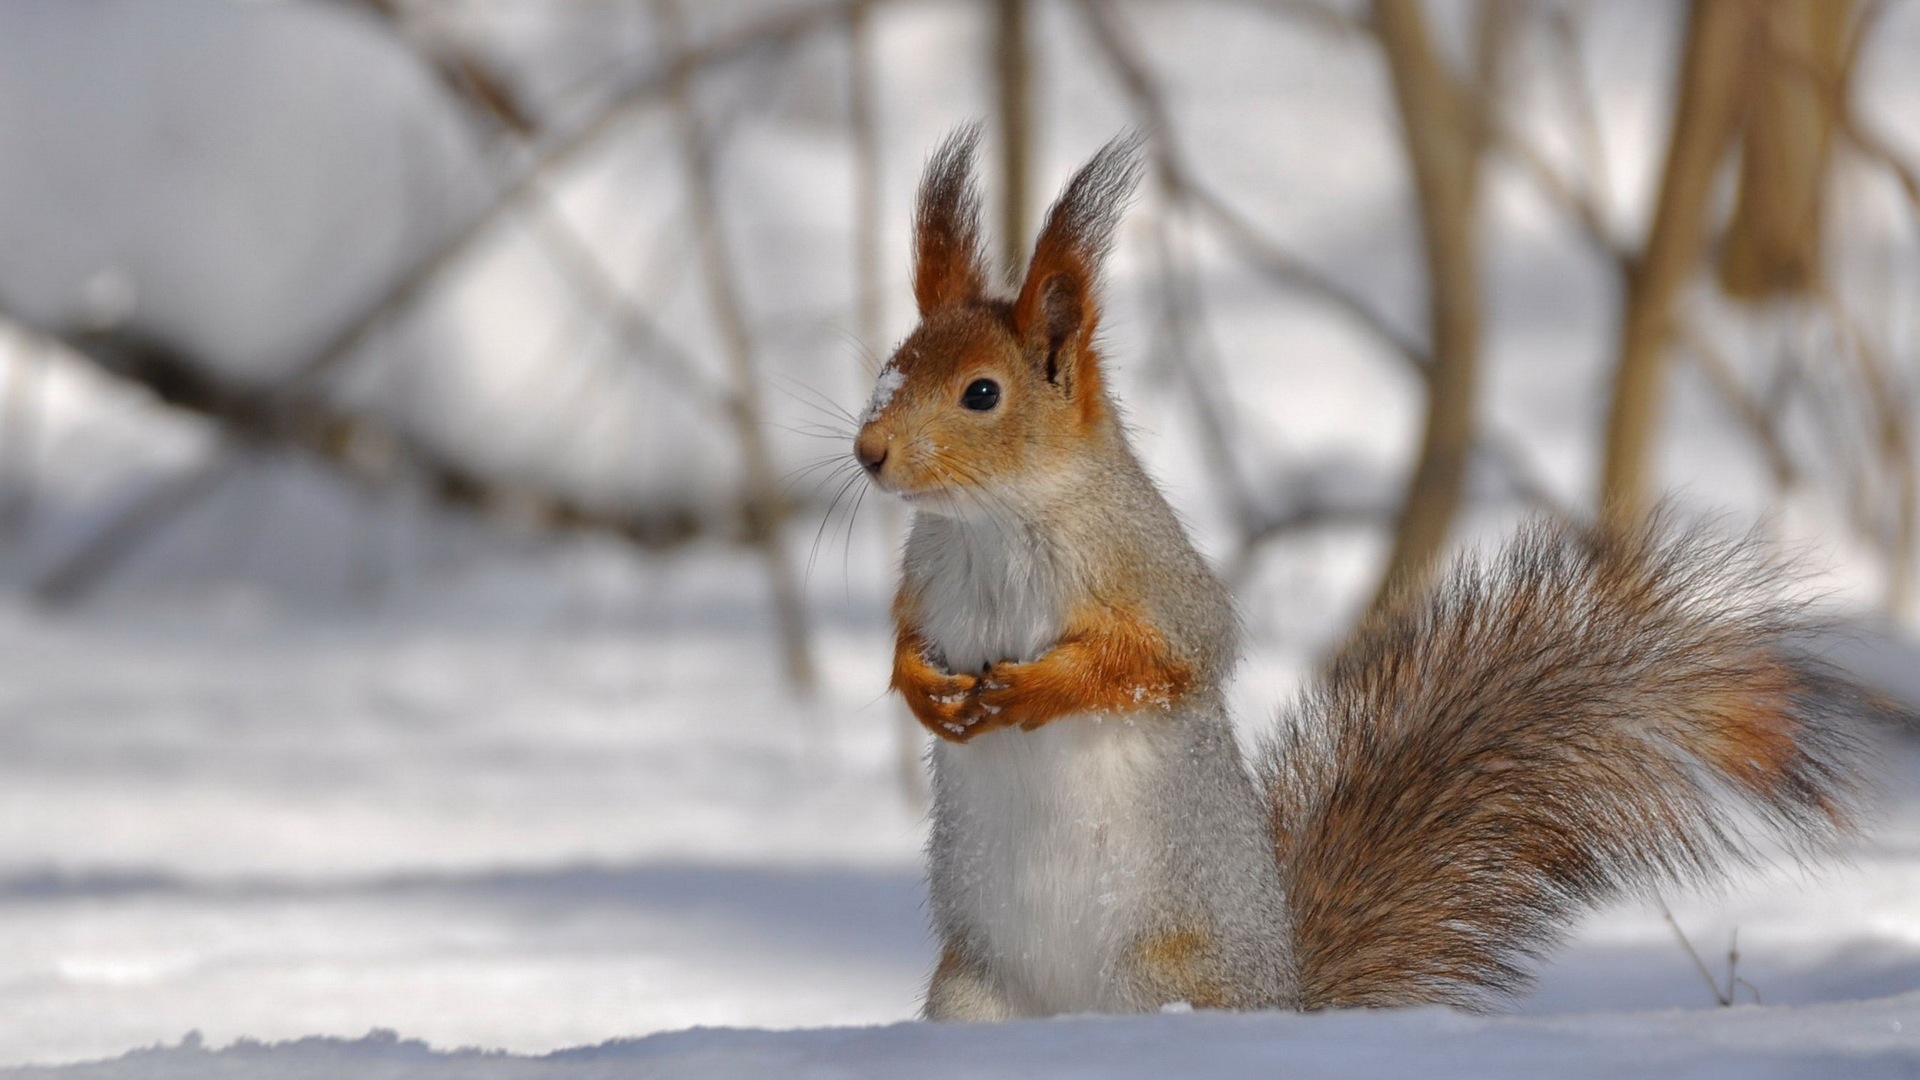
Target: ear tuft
{"x":948,"y":267}
{"x":1058,"y":306}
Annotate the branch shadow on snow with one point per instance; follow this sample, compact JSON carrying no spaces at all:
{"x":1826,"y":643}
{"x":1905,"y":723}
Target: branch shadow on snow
{"x":847,"y":911}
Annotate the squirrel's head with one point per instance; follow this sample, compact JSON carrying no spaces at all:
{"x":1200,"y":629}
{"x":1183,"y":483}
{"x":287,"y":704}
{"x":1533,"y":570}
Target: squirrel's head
{"x":989,"y":392}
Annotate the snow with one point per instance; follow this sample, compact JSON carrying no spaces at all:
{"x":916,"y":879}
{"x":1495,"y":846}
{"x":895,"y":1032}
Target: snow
{"x":1875,"y":1039}
{"x":526,"y":812}
{"x":889,"y":382}
{"x":553,"y":801}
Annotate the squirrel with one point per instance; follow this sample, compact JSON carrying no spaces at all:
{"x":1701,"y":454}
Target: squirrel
{"x":1586,"y":715}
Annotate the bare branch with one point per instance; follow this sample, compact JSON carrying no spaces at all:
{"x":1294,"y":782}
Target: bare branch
{"x":1577,"y":86}
{"x":765,"y":510}
{"x":1320,"y":16}
{"x":1761,"y":423}
{"x":1894,"y":442}
{"x":1306,"y":507}
{"x":1290,"y":270}
{"x":468,"y":77}
{"x":1179,"y":300}
{"x":252,"y":419}
{"x":1272,"y":259}
{"x":165,"y":502}
{"x":1581,"y":205}
{"x":1793,"y":97}
{"x":555,"y":154}
{"x":472,"y":82}
{"x":1875,"y":148}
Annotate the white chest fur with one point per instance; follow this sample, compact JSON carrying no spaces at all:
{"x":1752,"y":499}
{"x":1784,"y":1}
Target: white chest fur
{"x":988,"y":592}
{"x":1043,"y":835}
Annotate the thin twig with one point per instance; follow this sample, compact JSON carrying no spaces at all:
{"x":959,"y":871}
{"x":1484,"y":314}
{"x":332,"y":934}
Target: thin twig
{"x":1713,"y":985}
{"x":157,"y":507}
{"x":20,"y":422}
{"x":555,"y":154}
{"x":1875,"y":148}
{"x":473,"y":83}
{"x":1761,"y":424}
{"x":1178,"y":296}
{"x":1270,"y":257}
{"x":1295,"y":273}
{"x":1581,"y":205}
{"x":1894,"y":440}
{"x":1329,"y":19}
{"x":863,"y":123}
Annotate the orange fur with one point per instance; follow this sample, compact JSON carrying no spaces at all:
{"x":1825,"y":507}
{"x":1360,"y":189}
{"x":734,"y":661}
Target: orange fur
{"x":1179,"y":963}
{"x":1749,"y":730}
{"x":1109,"y":660}
{"x":951,"y":964}
{"x":941,"y":701}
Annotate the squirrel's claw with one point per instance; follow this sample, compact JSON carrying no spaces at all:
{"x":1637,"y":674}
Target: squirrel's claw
{"x":998,"y":698}
{"x":943,"y":703}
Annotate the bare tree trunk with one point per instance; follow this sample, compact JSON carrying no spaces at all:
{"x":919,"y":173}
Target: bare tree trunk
{"x":1712,"y":69}
{"x":764,"y":509}
{"x":1013,"y":89}
{"x":1440,"y":119}
{"x":1773,"y":242}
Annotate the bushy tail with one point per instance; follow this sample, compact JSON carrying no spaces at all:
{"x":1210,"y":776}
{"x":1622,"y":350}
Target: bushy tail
{"x":1582,"y":716}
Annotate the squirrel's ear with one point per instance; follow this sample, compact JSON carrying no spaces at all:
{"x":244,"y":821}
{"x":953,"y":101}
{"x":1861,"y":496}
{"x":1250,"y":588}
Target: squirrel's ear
{"x":947,"y":267}
{"x":1057,"y":312}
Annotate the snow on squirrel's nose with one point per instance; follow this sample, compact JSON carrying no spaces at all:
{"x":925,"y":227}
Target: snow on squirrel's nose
{"x":884,"y":388}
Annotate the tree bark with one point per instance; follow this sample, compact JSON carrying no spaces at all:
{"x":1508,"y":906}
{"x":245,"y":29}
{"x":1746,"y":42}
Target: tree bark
{"x":1716,"y":57}
{"x":1773,"y":242}
{"x":1013,"y":93}
{"x":1441,"y":127}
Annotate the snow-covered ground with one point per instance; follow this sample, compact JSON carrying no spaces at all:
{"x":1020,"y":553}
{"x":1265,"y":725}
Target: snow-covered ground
{"x":1858,"y":1042}
{"x":608,"y":820}
{"x":318,"y":764}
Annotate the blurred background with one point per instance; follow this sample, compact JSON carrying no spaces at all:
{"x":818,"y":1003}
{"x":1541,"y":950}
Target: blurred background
{"x":428,"y":594}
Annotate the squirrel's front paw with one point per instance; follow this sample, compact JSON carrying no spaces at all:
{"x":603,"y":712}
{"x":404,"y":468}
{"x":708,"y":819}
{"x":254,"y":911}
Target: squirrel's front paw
{"x":945,"y":704}
{"x":1004,"y":698}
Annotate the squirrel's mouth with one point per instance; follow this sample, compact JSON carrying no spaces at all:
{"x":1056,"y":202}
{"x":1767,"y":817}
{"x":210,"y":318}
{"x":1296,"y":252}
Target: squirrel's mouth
{"x":934,"y":499}
{"x":920,"y":492}
{"x":893,"y":485}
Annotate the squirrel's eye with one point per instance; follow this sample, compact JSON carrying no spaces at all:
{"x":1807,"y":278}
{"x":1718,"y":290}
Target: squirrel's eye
{"x":981,"y":395}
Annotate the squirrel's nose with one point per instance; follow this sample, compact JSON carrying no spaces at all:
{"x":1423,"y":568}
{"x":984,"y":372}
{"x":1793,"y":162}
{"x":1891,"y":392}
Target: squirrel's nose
{"x":870,"y":449}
